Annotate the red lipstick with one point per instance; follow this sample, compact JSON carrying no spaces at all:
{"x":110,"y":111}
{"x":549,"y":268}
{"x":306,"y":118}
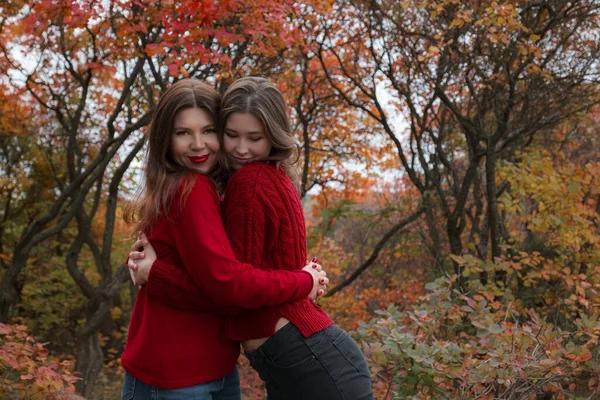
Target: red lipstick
{"x":199,"y":159}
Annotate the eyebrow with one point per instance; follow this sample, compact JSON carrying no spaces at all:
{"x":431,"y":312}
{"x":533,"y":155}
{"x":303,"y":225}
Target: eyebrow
{"x":249,"y":133}
{"x":185,"y":128}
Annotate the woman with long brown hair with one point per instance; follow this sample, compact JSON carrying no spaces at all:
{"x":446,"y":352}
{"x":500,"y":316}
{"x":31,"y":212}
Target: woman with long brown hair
{"x":181,"y":352}
{"x":295,"y":347}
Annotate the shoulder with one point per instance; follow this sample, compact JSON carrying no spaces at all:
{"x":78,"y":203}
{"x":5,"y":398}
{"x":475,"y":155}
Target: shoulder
{"x":259,"y":182}
{"x":203,"y":183}
{"x":253,"y":175}
{"x":194,"y":184}
{"x":253,"y":170}
{"x":194,"y":190}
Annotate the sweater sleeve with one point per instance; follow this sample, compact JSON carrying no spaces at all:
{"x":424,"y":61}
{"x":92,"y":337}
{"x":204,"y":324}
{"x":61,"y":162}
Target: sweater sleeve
{"x":173,"y":286}
{"x":206,"y":253}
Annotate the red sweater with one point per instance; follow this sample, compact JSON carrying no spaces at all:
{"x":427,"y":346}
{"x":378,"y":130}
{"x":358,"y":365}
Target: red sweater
{"x":174,"y":347}
{"x":265,"y":224}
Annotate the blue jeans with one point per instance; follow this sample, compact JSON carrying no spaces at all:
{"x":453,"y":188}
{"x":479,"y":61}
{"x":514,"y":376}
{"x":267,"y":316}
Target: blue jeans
{"x":325,"y":366}
{"x":227,"y":388}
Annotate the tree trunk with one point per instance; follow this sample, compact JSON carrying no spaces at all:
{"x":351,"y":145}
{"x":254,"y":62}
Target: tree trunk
{"x":454,"y":233}
{"x":89,"y":361}
{"x":482,"y":249}
{"x":492,"y":206}
{"x":7,"y":298}
{"x":436,"y":247}
{"x":90,"y":357}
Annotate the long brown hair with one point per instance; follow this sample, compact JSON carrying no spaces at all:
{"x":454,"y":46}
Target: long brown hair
{"x":163,"y":174}
{"x":261,"y":99}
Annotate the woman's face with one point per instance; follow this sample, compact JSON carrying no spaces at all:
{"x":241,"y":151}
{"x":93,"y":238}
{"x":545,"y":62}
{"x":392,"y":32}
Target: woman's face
{"x":245,"y":139}
{"x":194,"y":142}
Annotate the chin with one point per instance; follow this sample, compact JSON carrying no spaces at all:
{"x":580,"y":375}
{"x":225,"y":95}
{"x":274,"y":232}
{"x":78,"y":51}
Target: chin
{"x":202,"y":170}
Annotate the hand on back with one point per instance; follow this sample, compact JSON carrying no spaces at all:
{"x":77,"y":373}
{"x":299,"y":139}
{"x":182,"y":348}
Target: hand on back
{"x":141,"y":258}
{"x":320,"y":279}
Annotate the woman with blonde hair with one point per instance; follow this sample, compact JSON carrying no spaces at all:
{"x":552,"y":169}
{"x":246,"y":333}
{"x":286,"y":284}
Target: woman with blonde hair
{"x":180,"y":352}
{"x":295,"y":347}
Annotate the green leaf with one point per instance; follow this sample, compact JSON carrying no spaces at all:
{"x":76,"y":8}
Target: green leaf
{"x":573,"y":187}
{"x":495,"y":328}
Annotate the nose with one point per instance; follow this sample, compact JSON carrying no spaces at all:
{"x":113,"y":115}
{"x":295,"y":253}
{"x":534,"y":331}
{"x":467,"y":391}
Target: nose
{"x":242,"y":148}
{"x":197,"y":143}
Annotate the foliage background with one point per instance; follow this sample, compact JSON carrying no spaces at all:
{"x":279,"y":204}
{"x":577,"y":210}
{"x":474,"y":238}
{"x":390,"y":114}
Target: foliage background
{"x":449,"y":164}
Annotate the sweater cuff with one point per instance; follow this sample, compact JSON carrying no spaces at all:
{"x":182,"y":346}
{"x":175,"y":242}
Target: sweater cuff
{"x":307,"y":284}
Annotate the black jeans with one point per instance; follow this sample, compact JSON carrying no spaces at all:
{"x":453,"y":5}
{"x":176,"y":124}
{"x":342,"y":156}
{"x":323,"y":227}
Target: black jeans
{"x":327,"y":365}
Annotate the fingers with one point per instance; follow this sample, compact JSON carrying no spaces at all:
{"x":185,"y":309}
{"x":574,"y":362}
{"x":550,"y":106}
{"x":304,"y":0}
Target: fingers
{"x":136,"y":255}
{"x":314,"y":259}
{"x":132,"y":266}
{"x":139,"y":244}
{"x":323,"y":282}
{"x":136,"y":245}
{"x":141,"y":278}
{"x":317,"y":270}
{"x":320,"y":292}
{"x":320,"y":280}
{"x":321,"y":273}
{"x":132,"y":278}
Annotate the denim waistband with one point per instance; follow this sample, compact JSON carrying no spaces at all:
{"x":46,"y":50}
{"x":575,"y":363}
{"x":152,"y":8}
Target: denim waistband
{"x":280,"y":337}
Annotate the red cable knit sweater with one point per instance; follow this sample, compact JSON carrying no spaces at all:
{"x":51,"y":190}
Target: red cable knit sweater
{"x":265,"y":225}
{"x":183,"y":345}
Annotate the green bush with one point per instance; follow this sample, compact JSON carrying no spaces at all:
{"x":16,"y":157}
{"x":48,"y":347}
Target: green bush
{"x":456,"y":346}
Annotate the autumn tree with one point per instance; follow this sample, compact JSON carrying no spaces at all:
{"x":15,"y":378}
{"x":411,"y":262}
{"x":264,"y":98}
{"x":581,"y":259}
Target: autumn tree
{"x":15,"y":150}
{"x":474,"y":82}
{"x":91,"y":73}
{"x":331,"y":136}
{"x":86,"y":113}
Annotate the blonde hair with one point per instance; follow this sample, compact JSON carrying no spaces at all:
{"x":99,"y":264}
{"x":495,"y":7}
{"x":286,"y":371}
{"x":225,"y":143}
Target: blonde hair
{"x":261,"y":99}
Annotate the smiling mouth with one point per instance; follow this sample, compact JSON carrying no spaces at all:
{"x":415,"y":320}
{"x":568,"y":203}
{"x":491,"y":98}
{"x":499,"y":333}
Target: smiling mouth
{"x":199,"y":159}
{"x":242,"y":160}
